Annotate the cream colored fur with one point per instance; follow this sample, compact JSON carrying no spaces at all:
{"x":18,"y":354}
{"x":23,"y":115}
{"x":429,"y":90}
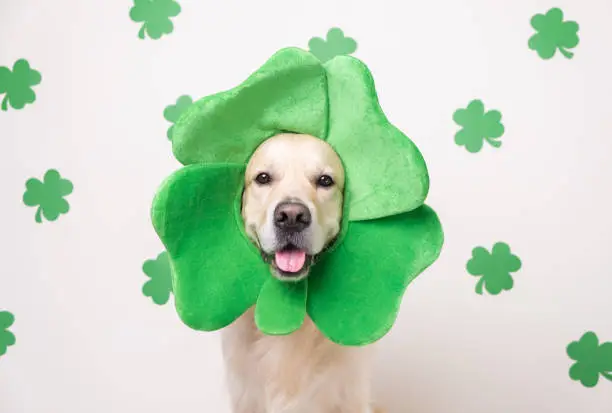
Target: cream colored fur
{"x":302,"y":372}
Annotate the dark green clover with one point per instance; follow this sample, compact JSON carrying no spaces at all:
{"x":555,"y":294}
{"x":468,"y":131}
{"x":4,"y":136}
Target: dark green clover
{"x":159,"y":287}
{"x":553,"y":33}
{"x":336,"y":44}
{"x":493,"y":268}
{"x":17,"y":85}
{"x":592,"y":360}
{"x":478,"y":126}
{"x":6,"y":337}
{"x":155,"y":16}
{"x":48,"y":195}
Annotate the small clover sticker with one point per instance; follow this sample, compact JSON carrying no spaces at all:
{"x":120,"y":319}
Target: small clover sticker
{"x":493,"y":268}
{"x":172,"y":113}
{"x":553,"y":33}
{"x":592,"y":360}
{"x":155,"y":16}
{"x":159,"y":286}
{"x":6,"y":337}
{"x":478,"y":126}
{"x":17,"y":85}
{"x":48,"y":195}
{"x":337,"y":44}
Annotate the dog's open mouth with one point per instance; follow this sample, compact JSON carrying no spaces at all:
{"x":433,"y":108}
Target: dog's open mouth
{"x":290,"y":261}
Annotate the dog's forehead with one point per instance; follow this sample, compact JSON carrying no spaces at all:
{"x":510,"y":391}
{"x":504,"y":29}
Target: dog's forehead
{"x":292,"y":149}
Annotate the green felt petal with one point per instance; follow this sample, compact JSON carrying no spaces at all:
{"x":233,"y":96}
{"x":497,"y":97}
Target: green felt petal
{"x":217,"y":272}
{"x":387,"y":172}
{"x":287,"y":94}
{"x":354,"y":293}
{"x":281,"y":307}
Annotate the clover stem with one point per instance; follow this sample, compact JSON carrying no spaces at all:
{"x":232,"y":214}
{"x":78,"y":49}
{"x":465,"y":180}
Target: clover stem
{"x":4,"y":102}
{"x":493,"y":142}
{"x":479,"y":285}
{"x":566,"y":53}
{"x":141,"y":32}
{"x":37,"y":217}
{"x":606,"y":375}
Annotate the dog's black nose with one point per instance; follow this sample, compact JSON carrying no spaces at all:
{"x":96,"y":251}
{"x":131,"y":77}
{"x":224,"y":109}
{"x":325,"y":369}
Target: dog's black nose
{"x":292,"y":216}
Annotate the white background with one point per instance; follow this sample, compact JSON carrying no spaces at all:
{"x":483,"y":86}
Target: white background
{"x":89,"y":341}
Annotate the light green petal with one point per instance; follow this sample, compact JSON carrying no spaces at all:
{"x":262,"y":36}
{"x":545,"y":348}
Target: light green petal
{"x":476,"y":110}
{"x":34,"y":192}
{"x":281,"y":306}
{"x":9,"y":338}
{"x":6,"y":319}
{"x":287,"y":94}
{"x":538,"y":22}
{"x":461,"y":117}
{"x":355,"y":291}
{"x":21,"y":68}
{"x":218,"y":273}
{"x":568,"y":35}
{"x":34,"y":78}
{"x":61,"y":205}
{"x":480,"y":261}
{"x":139,"y":12}
{"x":554,"y":16}
{"x":387,"y":172}
{"x":583,"y":348}
{"x":50,"y":214}
{"x":320,"y":49}
{"x":51,"y":177}
{"x":64,"y":187}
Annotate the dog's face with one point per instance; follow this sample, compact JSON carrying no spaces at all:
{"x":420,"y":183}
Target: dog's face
{"x":292,"y":202}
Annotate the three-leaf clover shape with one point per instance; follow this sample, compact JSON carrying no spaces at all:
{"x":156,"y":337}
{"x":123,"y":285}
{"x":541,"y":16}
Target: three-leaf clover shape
{"x":159,"y":286}
{"x":478,"y":126}
{"x":17,"y":85}
{"x":553,"y":33}
{"x":493,"y":268}
{"x":388,"y":234}
{"x":172,"y":113}
{"x":336,"y":44}
{"x":6,"y":337}
{"x":155,"y":16}
{"x":48,"y":195}
{"x":592,"y":360}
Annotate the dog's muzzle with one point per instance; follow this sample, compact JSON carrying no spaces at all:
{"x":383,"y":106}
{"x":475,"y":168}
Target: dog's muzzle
{"x":292,"y":219}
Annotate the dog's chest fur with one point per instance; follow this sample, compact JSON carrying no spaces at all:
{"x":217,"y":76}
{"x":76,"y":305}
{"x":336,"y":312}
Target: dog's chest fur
{"x":299,"y":373}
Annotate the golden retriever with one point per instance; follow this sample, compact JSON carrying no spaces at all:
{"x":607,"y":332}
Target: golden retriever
{"x":292,"y":210}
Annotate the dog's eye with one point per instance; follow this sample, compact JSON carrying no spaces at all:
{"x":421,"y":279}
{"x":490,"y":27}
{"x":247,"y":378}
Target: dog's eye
{"x":263,"y":178}
{"x":325,"y":181}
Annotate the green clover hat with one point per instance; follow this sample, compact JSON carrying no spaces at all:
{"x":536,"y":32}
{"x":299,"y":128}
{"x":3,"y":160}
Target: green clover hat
{"x":388,"y":237}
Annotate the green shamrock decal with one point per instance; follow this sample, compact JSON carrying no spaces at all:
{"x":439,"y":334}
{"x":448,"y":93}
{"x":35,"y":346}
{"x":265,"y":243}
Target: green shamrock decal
{"x":155,"y":16}
{"x":173,"y":112}
{"x":592,"y":360}
{"x":336,"y":45}
{"x":494,"y":269}
{"x":6,"y":337}
{"x":17,"y":85}
{"x":159,"y":286}
{"x":48,"y":195}
{"x":553,"y":33}
{"x":478,"y":126}
{"x":388,"y":235}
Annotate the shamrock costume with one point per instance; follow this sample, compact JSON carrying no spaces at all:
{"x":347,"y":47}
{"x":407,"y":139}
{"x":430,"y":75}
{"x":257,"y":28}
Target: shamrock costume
{"x":388,"y":236}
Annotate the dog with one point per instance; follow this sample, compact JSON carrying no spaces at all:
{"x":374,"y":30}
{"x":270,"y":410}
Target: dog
{"x":292,"y":210}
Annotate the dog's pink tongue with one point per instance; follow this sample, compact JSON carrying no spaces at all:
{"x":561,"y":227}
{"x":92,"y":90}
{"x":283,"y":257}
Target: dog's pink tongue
{"x":290,"y":261}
